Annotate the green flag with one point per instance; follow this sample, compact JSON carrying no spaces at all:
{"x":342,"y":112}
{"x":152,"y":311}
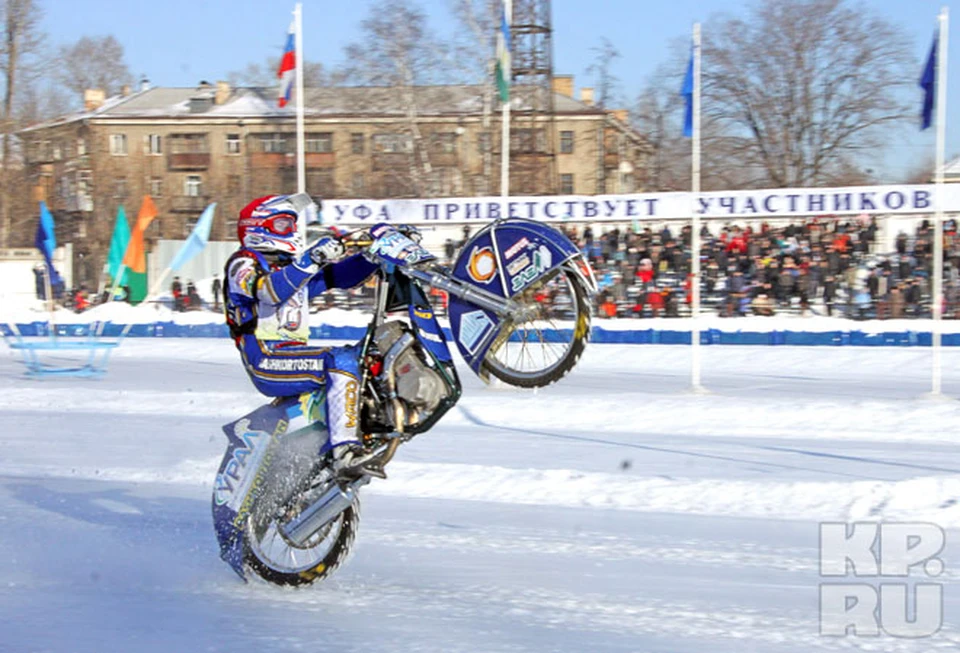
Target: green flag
{"x":118,"y":245}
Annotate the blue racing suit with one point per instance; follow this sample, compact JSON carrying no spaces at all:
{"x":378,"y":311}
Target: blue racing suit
{"x":267,"y":309}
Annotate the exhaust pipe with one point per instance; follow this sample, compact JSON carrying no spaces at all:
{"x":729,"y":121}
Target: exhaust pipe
{"x":324,"y":510}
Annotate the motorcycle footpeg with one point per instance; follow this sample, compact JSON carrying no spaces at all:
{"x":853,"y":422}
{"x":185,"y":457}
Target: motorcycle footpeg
{"x":371,"y":468}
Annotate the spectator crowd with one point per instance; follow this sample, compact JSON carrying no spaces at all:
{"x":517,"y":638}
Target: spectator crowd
{"x":819,"y":266}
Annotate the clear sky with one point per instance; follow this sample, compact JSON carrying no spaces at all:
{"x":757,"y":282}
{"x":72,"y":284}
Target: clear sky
{"x":180,"y":42}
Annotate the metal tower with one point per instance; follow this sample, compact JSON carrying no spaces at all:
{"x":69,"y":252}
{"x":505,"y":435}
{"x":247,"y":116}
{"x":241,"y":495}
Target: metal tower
{"x":532,"y":156}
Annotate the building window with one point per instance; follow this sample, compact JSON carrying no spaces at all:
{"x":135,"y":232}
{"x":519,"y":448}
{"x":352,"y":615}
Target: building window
{"x":273,"y":143}
{"x":319,"y":143}
{"x":154,"y":144}
{"x":233,"y":143}
{"x":528,"y":141}
{"x":356,"y":143}
{"x":118,"y":144}
{"x":81,"y":147}
{"x":120,"y":187}
{"x":234,"y":188}
{"x":193,"y":186}
{"x":57,"y":154}
{"x":320,"y":182}
{"x":392,"y":143}
{"x":188,"y":144}
{"x":84,"y":178}
{"x":358,"y":184}
{"x":566,"y":184}
{"x":156,"y":187}
{"x":445,"y":143}
{"x":481,"y":185}
{"x":566,"y":142}
{"x":484,"y":142}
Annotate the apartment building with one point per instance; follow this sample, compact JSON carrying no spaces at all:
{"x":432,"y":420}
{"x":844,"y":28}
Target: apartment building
{"x":187,"y":147}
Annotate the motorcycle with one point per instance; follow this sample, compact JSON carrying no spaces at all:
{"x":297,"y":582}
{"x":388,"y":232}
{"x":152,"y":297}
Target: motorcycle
{"x":519,"y":311}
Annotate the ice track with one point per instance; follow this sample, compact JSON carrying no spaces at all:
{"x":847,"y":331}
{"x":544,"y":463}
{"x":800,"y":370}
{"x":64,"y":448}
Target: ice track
{"x":613,"y":512}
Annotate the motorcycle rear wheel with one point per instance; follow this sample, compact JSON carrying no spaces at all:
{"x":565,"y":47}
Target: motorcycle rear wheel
{"x":536,"y":352}
{"x":281,"y":562}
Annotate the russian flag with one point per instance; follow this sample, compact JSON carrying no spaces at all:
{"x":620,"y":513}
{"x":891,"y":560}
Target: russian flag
{"x":288,"y":65}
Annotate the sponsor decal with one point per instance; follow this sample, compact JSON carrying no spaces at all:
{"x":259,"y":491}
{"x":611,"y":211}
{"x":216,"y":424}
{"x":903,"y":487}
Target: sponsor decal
{"x":292,"y":315}
{"x":542,"y":261}
{"x":350,"y":403}
{"x":427,"y":335}
{"x":474,"y":326}
{"x":423,"y":314}
{"x":376,"y":232}
{"x":394,"y":245}
{"x":483,"y":264}
{"x":291,"y":364}
{"x":241,"y":475}
{"x":521,"y":263}
{"x":516,"y":247}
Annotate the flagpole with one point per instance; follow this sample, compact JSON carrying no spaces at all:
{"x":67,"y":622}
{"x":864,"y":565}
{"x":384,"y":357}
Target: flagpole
{"x":301,"y":145}
{"x":51,"y":306}
{"x":941,"y":99}
{"x":505,"y":126}
{"x":695,"y":236}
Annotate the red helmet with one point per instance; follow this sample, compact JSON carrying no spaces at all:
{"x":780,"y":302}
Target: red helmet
{"x":269,"y":224}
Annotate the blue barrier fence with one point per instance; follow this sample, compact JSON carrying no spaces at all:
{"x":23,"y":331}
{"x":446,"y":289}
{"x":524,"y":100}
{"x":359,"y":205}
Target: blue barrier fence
{"x":853,"y":338}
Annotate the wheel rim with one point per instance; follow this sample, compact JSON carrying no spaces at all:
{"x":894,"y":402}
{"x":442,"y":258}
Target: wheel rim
{"x":270,"y":546}
{"x":537,"y":346}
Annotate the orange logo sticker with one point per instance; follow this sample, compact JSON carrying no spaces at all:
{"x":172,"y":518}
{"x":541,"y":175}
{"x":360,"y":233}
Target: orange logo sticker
{"x":483,"y":265}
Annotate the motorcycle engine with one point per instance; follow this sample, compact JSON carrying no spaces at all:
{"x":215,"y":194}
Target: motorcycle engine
{"x":408,"y":371}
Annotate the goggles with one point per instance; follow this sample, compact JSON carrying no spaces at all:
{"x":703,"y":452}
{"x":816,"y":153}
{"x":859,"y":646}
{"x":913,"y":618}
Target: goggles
{"x":281,"y":225}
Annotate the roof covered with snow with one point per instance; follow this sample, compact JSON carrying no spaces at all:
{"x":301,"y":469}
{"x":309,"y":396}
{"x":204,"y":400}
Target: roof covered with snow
{"x":248,"y":102}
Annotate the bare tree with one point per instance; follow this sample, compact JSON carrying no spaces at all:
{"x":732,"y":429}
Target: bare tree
{"x":801,"y":87}
{"x":398,"y":51}
{"x":93,"y":62}
{"x":606,"y":82}
{"x":21,"y":42}
{"x":475,"y":55}
{"x":265,"y":75}
{"x":921,"y":172}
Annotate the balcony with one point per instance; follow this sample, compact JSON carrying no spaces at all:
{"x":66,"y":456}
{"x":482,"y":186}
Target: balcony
{"x":444,"y":159}
{"x":318,"y":160}
{"x":391,"y":161}
{"x":189,"y":203}
{"x":81,"y":202}
{"x":188,"y":161}
{"x":271,"y":159}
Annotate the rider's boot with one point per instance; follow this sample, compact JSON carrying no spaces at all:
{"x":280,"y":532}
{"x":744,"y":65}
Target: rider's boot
{"x":350,"y":459}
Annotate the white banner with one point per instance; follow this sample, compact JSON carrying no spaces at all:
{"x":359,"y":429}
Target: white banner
{"x":730,"y":205}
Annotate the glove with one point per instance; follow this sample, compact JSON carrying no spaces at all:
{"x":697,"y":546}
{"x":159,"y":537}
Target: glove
{"x":410,"y":232}
{"x":328,"y":248}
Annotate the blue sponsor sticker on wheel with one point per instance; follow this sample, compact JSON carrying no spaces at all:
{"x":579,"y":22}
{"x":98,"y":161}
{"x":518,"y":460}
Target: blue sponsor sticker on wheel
{"x":474,"y":327}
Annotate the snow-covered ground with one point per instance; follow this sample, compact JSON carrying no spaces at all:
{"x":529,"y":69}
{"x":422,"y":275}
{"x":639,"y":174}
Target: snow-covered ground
{"x":614,"y":511}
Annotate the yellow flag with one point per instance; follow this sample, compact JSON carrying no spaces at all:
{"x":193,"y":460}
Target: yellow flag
{"x":135,"y":257}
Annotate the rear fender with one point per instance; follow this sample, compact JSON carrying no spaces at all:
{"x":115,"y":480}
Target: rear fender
{"x":240,"y":481}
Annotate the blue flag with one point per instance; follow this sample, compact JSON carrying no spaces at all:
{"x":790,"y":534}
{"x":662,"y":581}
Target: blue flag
{"x":928,"y":82}
{"x":687,"y":93}
{"x":197,"y":240}
{"x":46,"y":242}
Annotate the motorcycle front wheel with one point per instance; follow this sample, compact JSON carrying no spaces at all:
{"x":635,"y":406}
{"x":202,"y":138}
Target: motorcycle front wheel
{"x":546,"y":344}
{"x":280,"y":561}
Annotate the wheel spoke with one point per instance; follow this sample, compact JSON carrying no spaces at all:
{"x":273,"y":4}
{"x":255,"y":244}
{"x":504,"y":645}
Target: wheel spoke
{"x":531,"y":349}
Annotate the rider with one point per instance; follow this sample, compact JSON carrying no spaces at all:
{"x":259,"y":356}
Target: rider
{"x":269,"y":281}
